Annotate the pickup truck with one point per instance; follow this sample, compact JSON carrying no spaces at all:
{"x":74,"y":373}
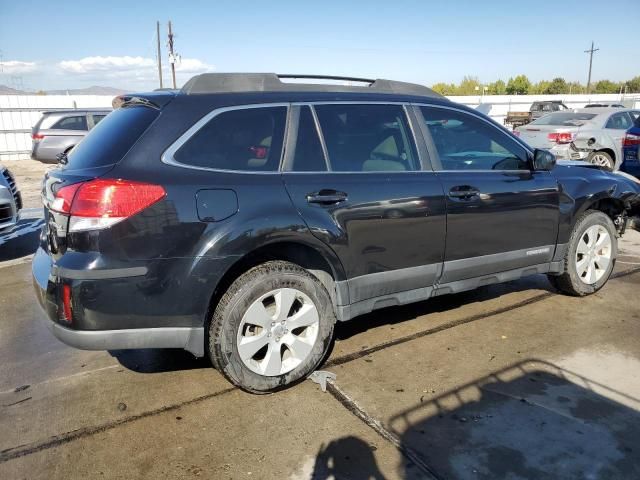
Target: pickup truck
{"x":537,"y":110}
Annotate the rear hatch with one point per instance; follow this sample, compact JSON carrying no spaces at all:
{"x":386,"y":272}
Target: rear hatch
{"x":553,"y":129}
{"x":96,"y":155}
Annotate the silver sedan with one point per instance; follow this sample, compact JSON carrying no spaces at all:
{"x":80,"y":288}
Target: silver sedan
{"x":590,"y":134}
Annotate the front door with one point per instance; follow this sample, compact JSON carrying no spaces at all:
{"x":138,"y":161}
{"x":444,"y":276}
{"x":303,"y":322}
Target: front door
{"x":501,"y":216}
{"x":354,"y":174}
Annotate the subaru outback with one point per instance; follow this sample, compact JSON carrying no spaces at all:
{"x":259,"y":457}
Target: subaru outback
{"x":245,"y":214}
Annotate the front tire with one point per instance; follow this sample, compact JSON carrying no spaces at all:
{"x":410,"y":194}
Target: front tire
{"x":272,"y":327}
{"x":590,"y":257}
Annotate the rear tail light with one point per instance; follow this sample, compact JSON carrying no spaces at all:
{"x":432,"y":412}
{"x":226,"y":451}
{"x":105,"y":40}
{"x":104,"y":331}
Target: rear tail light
{"x":259,"y":152}
{"x":66,"y":303}
{"x":516,"y":133}
{"x":631,"y":140}
{"x":560,"y":137}
{"x":101,"y":203}
{"x":37,"y":136}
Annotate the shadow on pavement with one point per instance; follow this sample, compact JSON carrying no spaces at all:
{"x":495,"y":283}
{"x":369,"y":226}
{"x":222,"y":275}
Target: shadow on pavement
{"x":533,"y":420}
{"x":159,"y":360}
{"x":530,"y":421}
{"x":21,"y":240}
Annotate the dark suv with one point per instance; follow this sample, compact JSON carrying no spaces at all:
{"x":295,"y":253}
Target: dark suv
{"x":241,"y":216}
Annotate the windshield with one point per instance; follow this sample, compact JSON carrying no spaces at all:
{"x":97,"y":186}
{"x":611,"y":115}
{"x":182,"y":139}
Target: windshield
{"x":112,"y":138}
{"x":565,"y":119}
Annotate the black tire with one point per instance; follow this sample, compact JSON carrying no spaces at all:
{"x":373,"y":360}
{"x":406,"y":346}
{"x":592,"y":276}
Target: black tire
{"x":569,"y":281}
{"x":604,"y":155}
{"x":227,"y":318}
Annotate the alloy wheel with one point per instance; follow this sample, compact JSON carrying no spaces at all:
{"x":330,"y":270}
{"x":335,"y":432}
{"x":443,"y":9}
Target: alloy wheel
{"x":278,"y":332}
{"x":593,"y":254}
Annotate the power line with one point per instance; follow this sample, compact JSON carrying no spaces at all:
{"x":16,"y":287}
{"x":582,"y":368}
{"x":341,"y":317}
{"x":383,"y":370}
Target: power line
{"x":590,"y":52}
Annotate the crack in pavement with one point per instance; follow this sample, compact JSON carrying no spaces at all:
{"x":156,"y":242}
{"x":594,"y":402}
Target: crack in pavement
{"x":54,"y":441}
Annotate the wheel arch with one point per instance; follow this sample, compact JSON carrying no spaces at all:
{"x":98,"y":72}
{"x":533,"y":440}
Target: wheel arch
{"x":324,"y":266}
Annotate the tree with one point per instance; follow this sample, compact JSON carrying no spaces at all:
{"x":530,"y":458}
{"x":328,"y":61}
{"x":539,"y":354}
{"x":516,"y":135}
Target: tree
{"x":633,"y":85}
{"x":519,"y":85}
{"x":576,"y":87}
{"x":444,"y":88}
{"x":540,"y":87}
{"x":497,"y":88}
{"x":557,"y":85}
{"x":468,"y":86}
{"x":607,"y":86}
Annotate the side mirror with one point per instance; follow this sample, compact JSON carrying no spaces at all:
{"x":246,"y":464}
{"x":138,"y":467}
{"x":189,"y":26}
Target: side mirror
{"x":543,"y":160}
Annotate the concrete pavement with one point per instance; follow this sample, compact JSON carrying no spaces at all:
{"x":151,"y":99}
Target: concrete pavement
{"x":511,"y":380}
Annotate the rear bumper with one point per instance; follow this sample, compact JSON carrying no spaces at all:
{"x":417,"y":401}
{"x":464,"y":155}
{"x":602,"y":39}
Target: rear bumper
{"x":126,"y":308}
{"x":190,"y":339}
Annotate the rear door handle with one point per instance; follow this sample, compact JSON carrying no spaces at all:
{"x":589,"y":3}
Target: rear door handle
{"x":464,"y":192}
{"x":326,"y":197}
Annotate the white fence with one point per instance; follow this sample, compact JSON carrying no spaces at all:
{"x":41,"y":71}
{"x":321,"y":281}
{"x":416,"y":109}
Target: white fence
{"x":18,"y":113}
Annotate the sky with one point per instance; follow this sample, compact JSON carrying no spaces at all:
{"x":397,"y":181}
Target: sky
{"x":74,"y":44}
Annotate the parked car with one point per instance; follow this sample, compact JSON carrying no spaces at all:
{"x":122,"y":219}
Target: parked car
{"x":10,"y":199}
{"x":537,"y":110}
{"x":242,"y":216}
{"x":631,"y":149}
{"x":58,"y":131}
{"x":593,"y":135}
{"x":600,"y":105}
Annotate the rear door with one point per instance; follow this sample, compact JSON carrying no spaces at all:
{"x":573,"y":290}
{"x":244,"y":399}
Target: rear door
{"x":616,"y":127}
{"x":501,"y":216}
{"x":354,"y":173}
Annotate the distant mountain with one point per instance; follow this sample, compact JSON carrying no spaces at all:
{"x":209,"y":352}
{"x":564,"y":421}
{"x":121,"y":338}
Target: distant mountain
{"x":4,"y":90}
{"x":95,"y":90}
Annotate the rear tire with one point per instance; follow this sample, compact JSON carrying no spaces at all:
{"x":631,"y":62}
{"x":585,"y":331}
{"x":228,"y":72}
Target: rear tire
{"x":272,"y":328}
{"x":591,"y":256}
{"x":602,"y":159}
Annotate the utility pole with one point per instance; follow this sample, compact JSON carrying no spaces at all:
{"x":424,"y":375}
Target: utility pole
{"x":172,"y":57}
{"x":590,"y":52}
{"x":159,"y":53}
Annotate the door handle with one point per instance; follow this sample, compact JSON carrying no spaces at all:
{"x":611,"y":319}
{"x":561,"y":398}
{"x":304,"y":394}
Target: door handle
{"x":464,"y":192}
{"x":326,"y":197}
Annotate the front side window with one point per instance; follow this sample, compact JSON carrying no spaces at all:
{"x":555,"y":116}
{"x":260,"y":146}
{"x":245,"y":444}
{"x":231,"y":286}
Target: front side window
{"x":619,"y":121}
{"x":367,"y":138}
{"x":465,"y":142}
{"x":247,"y":139}
{"x":71,"y":123}
{"x":97,"y":119}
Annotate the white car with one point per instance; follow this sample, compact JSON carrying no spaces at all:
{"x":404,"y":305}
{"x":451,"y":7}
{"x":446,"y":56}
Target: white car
{"x":590,"y":134}
{"x":10,"y":200}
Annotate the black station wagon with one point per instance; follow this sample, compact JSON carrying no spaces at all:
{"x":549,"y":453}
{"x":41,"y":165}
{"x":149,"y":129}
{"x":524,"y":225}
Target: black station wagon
{"x":243,"y":215}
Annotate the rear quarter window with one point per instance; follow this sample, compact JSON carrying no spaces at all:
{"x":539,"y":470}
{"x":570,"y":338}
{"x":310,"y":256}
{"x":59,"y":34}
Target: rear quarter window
{"x":246,"y":139}
{"x":112,"y":138}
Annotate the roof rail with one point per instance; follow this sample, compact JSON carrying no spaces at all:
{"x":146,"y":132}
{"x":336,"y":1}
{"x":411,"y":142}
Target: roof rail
{"x":271,"y":82}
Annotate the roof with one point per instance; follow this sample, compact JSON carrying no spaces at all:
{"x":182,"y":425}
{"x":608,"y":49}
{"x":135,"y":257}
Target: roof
{"x":77,"y":110}
{"x":602,"y":110}
{"x":208,"y":83}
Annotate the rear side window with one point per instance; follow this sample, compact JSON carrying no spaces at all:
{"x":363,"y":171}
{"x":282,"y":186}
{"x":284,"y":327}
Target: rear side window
{"x":367,"y":138}
{"x":619,"y":121}
{"x":112,"y":138}
{"x":247,"y":139}
{"x":308,"y":155}
{"x":78,"y":122}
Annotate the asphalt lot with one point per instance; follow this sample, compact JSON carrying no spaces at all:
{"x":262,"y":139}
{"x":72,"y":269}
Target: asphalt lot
{"x":509,"y":381}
